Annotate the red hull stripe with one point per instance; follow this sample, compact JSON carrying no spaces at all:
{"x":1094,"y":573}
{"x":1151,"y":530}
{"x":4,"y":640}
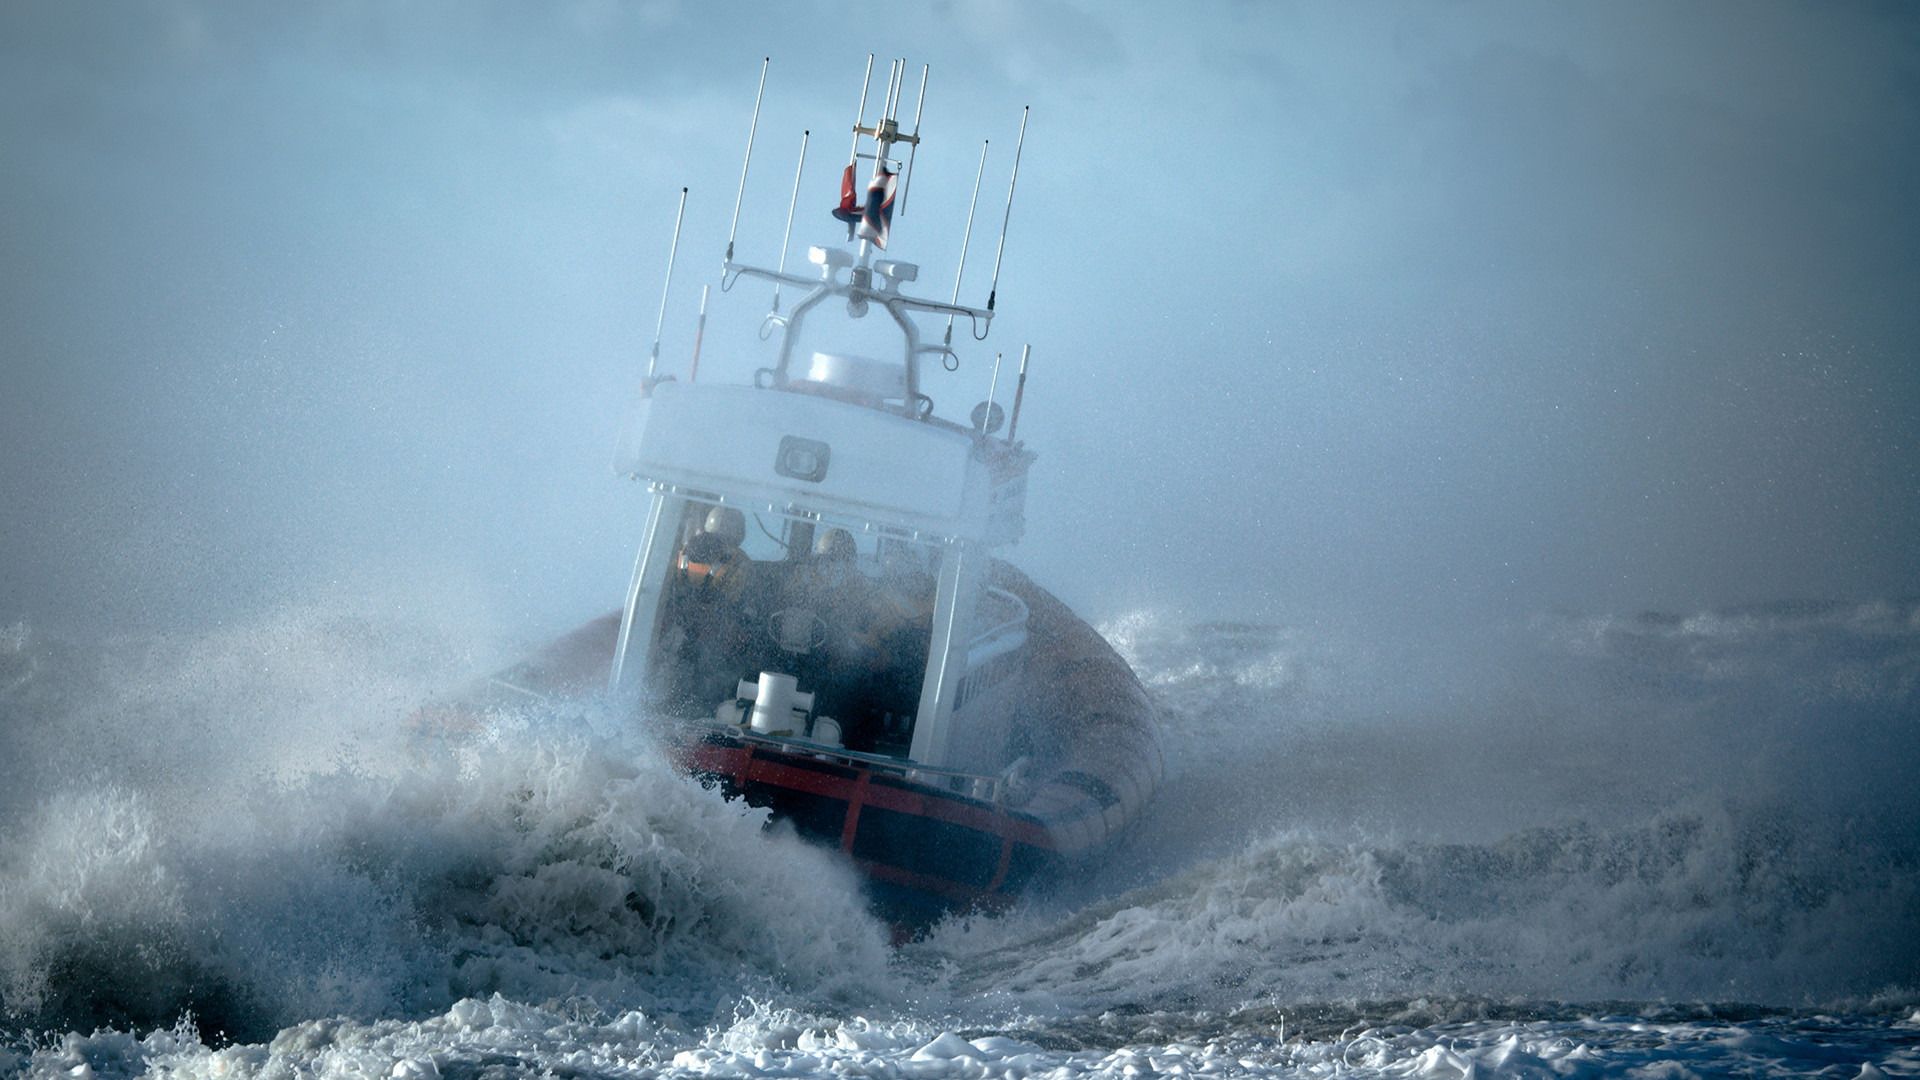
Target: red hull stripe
{"x":745,"y":765}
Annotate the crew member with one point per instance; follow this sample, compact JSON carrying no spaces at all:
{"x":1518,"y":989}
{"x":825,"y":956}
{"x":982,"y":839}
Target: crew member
{"x":708,"y":610}
{"x":854,"y":668}
{"x":711,"y":561}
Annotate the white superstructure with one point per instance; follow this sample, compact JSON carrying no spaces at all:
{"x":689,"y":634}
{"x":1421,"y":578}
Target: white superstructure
{"x":825,"y":440}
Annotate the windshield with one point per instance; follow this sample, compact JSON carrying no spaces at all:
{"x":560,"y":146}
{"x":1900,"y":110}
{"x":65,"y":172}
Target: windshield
{"x":847,"y":613}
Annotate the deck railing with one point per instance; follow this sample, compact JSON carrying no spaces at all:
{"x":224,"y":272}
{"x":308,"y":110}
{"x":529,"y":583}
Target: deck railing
{"x":1006,"y":632}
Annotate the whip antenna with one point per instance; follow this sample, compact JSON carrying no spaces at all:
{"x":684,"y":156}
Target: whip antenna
{"x":860,"y":114}
{"x":993,"y":387}
{"x":1019,"y":392}
{"x":1011,"y":181}
{"x":659,"y":326}
{"x":787,"y":237}
{"x":899,"y":88}
{"x":967,"y":237}
{"x":919,"y":106}
{"x":699,"y":334}
{"x":751,"y":128}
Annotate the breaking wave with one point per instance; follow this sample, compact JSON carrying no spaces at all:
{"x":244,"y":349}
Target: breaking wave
{"x":1368,"y":856}
{"x":545,"y":856}
{"x":1684,"y":809}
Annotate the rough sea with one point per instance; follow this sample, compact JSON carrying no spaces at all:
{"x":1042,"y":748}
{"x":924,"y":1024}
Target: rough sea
{"x":1660,"y":845}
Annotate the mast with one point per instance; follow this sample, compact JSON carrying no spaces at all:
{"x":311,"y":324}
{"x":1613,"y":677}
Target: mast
{"x":864,"y":277}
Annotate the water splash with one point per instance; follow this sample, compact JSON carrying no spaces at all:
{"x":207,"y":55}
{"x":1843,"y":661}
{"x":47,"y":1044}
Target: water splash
{"x":1342,"y":873}
{"x":547,"y":854}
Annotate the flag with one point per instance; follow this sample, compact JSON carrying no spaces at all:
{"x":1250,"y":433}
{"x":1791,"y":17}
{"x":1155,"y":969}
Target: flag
{"x":848,"y":211}
{"x":879,"y":211}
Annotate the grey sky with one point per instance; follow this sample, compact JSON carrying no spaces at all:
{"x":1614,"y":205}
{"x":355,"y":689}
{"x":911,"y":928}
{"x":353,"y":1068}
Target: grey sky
{"x":1464,"y":308}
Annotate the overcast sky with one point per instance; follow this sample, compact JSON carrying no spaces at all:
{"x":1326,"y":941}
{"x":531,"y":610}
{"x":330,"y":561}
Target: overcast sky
{"x":1454,"y":309}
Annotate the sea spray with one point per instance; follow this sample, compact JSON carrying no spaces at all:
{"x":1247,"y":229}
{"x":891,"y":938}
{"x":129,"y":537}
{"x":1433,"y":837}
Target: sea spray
{"x":549,"y":853}
{"x":1709,"y":808}
{"x":1605,"y":843}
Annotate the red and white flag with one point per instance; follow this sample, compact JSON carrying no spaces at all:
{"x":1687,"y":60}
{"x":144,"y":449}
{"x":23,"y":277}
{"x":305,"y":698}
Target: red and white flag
{"x":878,"y":215}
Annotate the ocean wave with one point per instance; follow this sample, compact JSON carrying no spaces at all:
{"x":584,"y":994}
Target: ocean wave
{"x":255,"y":857}
{"x":1688,"y":907}
{"x":238,"y":826}
{"x":1605,"y":817}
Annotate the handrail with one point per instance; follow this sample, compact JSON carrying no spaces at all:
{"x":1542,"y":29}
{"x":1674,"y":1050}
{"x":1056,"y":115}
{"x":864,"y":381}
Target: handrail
{"x":859,"y":292}
{"x":1019,"y":619}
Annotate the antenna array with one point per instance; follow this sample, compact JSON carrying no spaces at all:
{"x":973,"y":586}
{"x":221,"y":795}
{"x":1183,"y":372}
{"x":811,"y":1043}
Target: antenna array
{"x":886,"y":134}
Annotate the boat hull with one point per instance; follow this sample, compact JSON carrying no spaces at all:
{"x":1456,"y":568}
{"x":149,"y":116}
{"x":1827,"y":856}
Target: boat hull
{"x":925,"y":851}
{"x":1085,"y":741}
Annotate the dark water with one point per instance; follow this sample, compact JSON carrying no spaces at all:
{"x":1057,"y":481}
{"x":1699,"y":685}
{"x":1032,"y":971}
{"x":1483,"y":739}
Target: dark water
{"x":1572,"y":845}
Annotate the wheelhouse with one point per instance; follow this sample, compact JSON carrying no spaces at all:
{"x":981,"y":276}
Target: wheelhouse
{"x":891,"y":631}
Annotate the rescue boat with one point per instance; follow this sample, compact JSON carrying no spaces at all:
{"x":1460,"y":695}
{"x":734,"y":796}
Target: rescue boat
{"x":818,"y":618}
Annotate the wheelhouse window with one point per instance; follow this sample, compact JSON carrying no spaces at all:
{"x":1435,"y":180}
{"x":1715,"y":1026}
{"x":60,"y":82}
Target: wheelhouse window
{"x":845,"y":609}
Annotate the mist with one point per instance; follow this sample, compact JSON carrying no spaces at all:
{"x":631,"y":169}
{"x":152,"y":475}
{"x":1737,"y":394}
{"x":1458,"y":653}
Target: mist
{"x":1490,"y":432}
{"x":1429,"y":315}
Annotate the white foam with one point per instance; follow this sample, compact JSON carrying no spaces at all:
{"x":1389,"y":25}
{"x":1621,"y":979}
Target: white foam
{"x":784,"y":1043}
{"x":1611,"y":822}
{"x":546,"y":865}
